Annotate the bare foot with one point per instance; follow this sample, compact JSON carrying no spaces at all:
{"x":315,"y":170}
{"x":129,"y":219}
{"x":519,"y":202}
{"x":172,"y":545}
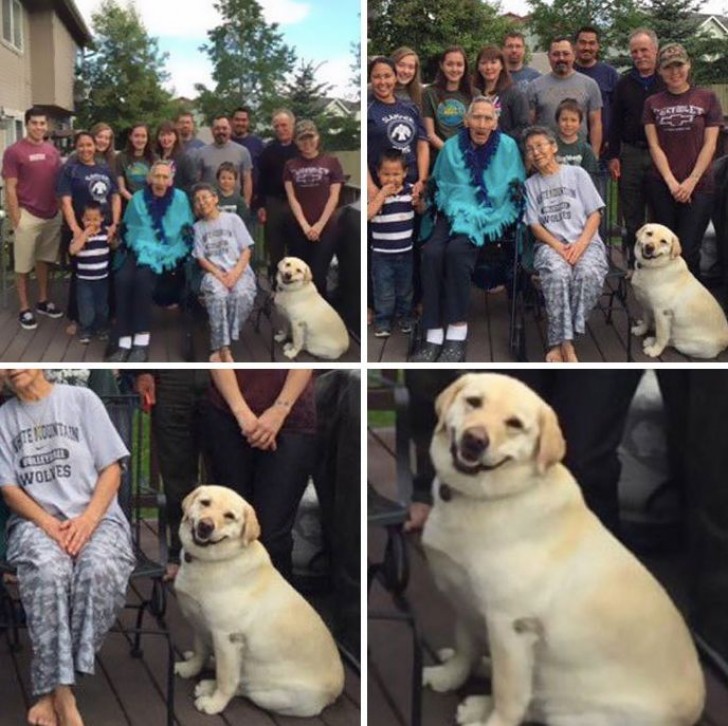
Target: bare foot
{"x":568,"y":353}
{"x":226,"y":355}
{"x":171,"y":572}
{"x":71,"y":329}
{"x":66,"y":709}
{"x":554,"y":355}
{"x":42,"y":713}
{"x":215,"y":357}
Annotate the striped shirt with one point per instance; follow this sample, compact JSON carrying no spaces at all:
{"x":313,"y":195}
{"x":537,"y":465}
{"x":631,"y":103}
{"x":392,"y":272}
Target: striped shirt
{"x":391,"y":230}
{"x":92,"y":262}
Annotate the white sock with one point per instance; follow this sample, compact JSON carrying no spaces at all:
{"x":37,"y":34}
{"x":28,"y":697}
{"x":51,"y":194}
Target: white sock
{"x":141,"y":339}
{"x":125,"y":342}
{"x":435,"y":335}
{"x":457,"y":332}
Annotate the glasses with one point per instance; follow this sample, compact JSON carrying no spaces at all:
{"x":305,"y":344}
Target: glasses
{"x":530,"y":150}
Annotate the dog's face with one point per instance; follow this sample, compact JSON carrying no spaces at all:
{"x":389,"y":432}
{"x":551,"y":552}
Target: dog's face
{"x":656,"y":245}
{"x":493,"y":435}
{"x":293,"y":273}
{"x":216,"y":523}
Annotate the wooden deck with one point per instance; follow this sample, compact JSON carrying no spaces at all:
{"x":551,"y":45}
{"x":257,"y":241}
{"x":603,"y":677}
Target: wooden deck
{"x":389,"y":643}
{"x":488,"y":336}
{"x":127,"y":691}
{"x":49,"y":342}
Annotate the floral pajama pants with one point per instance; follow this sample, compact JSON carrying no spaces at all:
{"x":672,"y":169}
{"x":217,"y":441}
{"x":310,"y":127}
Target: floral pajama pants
{"x":570,"y":291}
{"x":227,"y":309}
{"x":69,"y":604}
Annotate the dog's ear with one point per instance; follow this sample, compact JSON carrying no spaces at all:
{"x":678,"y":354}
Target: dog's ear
{"x":676,"y":248}
{"x":307,"y":274}
{"x":551,"y":444}
{"x":251,"y":528}
{"x":638,"y":234}
{"x":189,"y":500}
{"x":445,"y":399}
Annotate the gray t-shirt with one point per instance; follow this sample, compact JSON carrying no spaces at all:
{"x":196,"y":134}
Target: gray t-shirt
{"x":547,"y":92}
{"x":208,"y":159}
{"x":524,"y":77}
{"x":561,"y":202}
{"x":222,"y":241}
{"x":55,"y":448}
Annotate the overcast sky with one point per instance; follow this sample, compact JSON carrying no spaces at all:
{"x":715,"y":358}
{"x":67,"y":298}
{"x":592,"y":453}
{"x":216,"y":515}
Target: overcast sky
{"x":521,"y":7}
{"x":320,"y":30}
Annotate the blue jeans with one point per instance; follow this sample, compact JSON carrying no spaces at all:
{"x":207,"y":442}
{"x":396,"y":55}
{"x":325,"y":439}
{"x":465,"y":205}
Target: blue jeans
{"x":392,"y":281}
{"x":92,"y":297}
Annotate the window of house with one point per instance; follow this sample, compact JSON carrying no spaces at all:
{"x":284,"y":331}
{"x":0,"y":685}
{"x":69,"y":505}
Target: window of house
{"x":13,"y":23}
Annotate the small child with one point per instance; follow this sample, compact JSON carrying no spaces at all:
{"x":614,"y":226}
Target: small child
{"x":391,"y":218}
{"x":92,"y":251}
{"x":222,"y":248}
{"x":230,"y":199}
{"x":573,"y":150}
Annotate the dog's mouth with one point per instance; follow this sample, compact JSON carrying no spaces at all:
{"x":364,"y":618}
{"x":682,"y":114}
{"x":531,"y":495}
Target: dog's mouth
{"x":205,"y":541}
{"x":471,"y":466}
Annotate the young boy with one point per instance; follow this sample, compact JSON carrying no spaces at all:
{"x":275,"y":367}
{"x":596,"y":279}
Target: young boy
{"x":573,"y":150}
{"x":91,"y":250}
{"x":229,"y":199}
{"x":222,"y":249}
{"x":391,"y":216}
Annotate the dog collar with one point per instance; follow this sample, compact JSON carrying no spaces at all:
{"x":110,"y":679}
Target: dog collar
{"x":188,"y":557}
{"x":446,"y":492}
{"x":638,"y":265}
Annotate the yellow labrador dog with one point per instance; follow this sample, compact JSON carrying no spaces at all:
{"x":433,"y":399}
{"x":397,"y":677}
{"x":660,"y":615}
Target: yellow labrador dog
{"x":578,"y":631}
{"x":269,"y":644}
{"x":679,"y":310}
{"x":312,"y":324}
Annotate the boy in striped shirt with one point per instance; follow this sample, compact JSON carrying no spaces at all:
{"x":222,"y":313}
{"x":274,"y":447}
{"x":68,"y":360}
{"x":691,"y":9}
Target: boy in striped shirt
{"x":391,"y":216}
{"x":91,"y":251}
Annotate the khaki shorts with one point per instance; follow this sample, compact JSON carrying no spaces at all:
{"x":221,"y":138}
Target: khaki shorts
{"x":36,"y":239}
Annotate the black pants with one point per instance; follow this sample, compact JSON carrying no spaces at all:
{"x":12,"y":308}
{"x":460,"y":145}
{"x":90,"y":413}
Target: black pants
{"x":177,"y":430}
{"x":134,"y":289}
{"x":273,"y":482}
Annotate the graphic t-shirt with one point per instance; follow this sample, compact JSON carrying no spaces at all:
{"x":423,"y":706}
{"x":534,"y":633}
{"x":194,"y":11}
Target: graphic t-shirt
{"x":134,"y":169}
{"x":222,"y":241}
{"x":312,"y":180}
{"x":561,"y":202}
{"x":577,"y":154}
{"x":55,"y":448}
{"x":35,"y":166}
{"x":447,"y":109}
{"x":235,"y":204}
{"x":680,"y":120}
{"x":85,"y":183}
{"x":523,"y":77}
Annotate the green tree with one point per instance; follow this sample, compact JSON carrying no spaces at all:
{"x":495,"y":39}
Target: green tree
{"x":355,"y":67}
{"x":120,"y":79}
{"x":430,"y":26}
{"x":249,"y":58}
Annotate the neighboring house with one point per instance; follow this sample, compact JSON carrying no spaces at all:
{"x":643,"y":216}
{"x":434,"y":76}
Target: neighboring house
{"x":341,"y":107}
{"x":715,"y":26}
{"x":38,"y":48}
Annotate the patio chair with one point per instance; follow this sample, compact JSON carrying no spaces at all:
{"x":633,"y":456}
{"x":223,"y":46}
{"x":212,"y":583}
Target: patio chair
{"x":392,"y":572}
{"x":526,"y":295}
{"x":146,"y":591}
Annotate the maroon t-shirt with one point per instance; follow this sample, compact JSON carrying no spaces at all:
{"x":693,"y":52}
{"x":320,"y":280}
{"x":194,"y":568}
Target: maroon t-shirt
{"x":36,"y":167}
{"x":680,"y":120}
{"x":312,"y":179}
{"x":261,"y":388}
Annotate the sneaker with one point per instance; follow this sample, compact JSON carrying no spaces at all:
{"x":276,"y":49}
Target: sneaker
{"x":84,"y":338}
{"x":405,"y":325}
{"x":139,"y":354}
{"x":381,"y":331}
{"x":102,"y":335}
{"x":27,"y":320}
{"x":453,"y":352}
{"x":119,"y":355}
{"x":427,"y":353}
{"x":49,"y":309}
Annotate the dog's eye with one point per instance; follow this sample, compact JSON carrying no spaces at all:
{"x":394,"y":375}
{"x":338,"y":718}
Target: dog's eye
{"x":204,"y":502}
{"x":474,"y":401}
{"x":514,"y":423}
{"x":230,"y":516}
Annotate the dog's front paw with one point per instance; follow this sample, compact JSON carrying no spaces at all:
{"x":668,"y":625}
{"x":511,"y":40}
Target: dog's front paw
{"x":647,"y":342}
{"x":206,"y":687}
{"x":640,"y":328}
{"x":474,"y":710}
{"x":443,"y":678}
{"x":187,"y":668}
{"x":280,"y":336}
{"x":290,"y":351}
{"x":212,"y":704}
{"x":653,"y":350}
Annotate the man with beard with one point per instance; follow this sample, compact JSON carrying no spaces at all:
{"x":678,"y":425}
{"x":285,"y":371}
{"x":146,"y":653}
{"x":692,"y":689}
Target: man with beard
{"x":209,"y":158}
{"x":547,"y":92}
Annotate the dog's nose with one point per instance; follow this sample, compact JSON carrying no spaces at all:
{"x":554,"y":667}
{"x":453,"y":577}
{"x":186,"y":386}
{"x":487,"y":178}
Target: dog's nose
{"x":649,"y":248}
{"x":474,"y":442}
{"x":286,"y":275}
{"x":205,"y":527}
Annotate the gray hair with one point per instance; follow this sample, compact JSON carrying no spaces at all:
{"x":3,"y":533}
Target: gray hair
{"x":476,"y":100}
{"x":284,"y":112}
{"x":532,"y":131}
{"x":644,"y":31}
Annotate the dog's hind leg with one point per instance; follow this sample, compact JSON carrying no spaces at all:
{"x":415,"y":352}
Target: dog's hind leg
{"x":457,"y":665}
{"x":290,"y":699}
{"x":194,"y":660}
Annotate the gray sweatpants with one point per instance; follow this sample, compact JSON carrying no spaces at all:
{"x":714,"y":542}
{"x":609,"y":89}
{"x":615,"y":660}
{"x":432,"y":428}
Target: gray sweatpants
{"x":227,"y":309}
{"x":69,"y":604}
{"x":570,"y":291}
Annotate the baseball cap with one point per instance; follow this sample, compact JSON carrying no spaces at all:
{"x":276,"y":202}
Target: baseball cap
{"x":305,"y":128}
{"x":671,"y":54}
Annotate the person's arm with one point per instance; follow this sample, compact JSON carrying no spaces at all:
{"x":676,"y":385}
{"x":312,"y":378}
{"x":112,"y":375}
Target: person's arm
{"x":11,"y":201}
{"x":248,"y":186}
{"x":226,"y":383}
{"x":659,"y":158}
{"x":543,"y":235}
{"x":435,"y":141}
{"x":27,"y":508}
{"x":704,"y":160}
{"x":372,"y":188}
{"x":122,"y":187}
{"x":115,"y":216}
{"x":595,"y":131}
{"x":77,"y":531}
{"x":423,"y":166}
{"x":79,"y":242}
{"x":208,"y":266}
{"x":243,"y":261}
{"x":574,"y":251}
{"x":331,"y":204}
{"x":146,"y":387}
{"x":296,"y":208}
{"x":70,"y":216}
{"x":377,"y":201}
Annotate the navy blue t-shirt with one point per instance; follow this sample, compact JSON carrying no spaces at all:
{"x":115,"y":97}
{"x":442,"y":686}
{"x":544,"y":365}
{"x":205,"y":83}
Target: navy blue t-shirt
{"x":84,"y":183}
{"x":395,"y":125}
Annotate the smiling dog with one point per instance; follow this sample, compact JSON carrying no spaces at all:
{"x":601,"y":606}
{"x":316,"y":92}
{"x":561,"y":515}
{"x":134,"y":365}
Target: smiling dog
{"x":579,"y":633}
{"x":679,"y":310}
{"x":269,"y":644}
{"x":313,"y":324}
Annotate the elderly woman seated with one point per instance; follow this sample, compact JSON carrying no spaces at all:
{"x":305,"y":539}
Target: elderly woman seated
{"x":158,"y":238}
{"x":478,"y":181}
{"x":60,"y":470}
{"x":563,"y":210}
